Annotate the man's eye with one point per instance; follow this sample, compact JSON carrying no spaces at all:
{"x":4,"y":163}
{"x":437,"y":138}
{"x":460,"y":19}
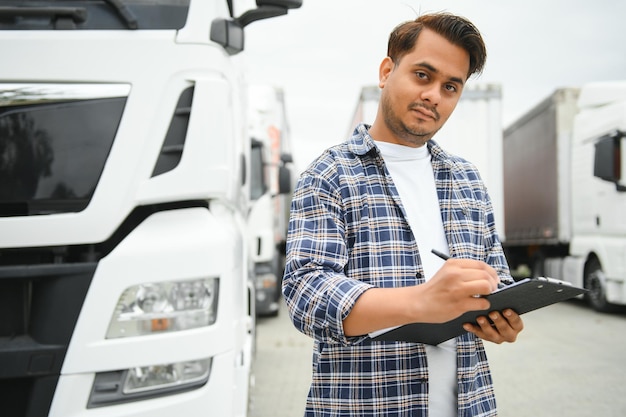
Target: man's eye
{"x":451,"y":88}
{"x":421,"y":75}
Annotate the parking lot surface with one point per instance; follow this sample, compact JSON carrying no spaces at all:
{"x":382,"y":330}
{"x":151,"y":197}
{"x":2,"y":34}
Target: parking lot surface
{"x":282,"y":368}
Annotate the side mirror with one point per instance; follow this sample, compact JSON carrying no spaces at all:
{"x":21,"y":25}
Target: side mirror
{"x":287,"y":4}
{"x":230,"y":34}
{"x":267,"y":9}
{"x":284,"y":180}
{"x":286,"y":158}
{"x":608,"y":159}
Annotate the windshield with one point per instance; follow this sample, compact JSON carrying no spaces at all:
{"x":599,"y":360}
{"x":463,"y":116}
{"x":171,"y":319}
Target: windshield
{"x":93,"y":14}
{"x":54,"y":143}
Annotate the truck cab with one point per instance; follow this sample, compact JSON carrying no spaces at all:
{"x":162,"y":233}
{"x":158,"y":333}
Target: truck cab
{"x":598,"y":247}
{"x":271,"y":190}
{"x":125,"y":275}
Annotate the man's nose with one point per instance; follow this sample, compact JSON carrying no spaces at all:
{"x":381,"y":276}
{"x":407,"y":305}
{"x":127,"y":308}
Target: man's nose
{"x":432,"y":94}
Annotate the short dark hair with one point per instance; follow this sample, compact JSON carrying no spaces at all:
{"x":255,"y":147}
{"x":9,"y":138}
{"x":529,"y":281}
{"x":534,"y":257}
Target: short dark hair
{"x":456,"y":29}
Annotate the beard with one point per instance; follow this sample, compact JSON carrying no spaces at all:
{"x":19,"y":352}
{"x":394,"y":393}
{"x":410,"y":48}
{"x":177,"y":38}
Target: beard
{"x":412,"y":135}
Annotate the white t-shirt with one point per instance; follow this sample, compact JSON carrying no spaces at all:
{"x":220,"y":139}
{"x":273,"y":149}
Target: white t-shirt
{"x":412,"y":174}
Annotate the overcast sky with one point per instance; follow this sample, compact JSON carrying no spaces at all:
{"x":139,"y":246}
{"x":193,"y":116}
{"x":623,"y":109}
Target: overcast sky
{"x":323,"y":53}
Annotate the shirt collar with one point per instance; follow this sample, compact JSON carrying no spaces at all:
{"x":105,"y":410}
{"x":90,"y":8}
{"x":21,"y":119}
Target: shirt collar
{"x":361,"y":143}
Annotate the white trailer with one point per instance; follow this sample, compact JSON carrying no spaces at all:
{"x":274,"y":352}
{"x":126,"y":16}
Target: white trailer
{"x":564,"y":183}
{"x":271,"y":190}
{"x":124,"y":192}
{"x":473,"y":132}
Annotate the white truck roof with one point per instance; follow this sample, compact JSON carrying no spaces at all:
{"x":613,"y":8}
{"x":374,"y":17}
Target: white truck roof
{"x":601,"y":93}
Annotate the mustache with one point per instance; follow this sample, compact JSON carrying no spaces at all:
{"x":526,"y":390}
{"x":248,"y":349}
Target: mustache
{"x":431,"y":109}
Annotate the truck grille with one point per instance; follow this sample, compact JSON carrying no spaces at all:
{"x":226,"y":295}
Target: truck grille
{"x":39,"y":306}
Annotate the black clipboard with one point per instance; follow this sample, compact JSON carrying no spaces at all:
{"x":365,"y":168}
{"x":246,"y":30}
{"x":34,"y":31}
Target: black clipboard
{"x":522,"y":296}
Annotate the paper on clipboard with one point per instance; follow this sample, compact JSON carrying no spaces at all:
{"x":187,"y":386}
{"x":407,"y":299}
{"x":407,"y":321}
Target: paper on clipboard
{"x":522,"y":296}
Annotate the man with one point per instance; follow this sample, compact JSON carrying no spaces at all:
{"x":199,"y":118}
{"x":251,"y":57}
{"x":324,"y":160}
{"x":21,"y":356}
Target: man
{"x":364,"y":218}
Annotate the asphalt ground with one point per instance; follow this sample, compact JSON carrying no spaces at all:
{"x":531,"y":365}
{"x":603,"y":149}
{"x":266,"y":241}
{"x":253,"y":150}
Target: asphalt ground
{"x":568,"y":361}
{"x":282,"y":368}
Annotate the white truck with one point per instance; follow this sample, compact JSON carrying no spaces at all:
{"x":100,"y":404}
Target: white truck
{"x":270,"y":191}
{"x":473,"y":131}
{"x":564,"y":190}
{"x":125,"y":285}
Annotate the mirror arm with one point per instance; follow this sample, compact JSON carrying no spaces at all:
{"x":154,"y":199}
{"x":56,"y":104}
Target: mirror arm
{"x":263,"y":12}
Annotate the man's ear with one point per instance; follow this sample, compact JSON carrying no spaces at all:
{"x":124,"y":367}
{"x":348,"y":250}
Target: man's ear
{"x":385,"y":69}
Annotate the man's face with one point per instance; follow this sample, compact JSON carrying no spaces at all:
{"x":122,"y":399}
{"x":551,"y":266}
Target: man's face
{"x":421,"y":91}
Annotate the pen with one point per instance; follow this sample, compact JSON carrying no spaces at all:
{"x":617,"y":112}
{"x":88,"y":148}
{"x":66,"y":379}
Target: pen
{"x":440,"y":254}
{"x":446,"y":257}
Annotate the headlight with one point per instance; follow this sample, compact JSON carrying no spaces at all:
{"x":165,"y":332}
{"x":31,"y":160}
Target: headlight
{"x":164,"y":306}
{"x":145,"y":382}
{"x":149,"y":378}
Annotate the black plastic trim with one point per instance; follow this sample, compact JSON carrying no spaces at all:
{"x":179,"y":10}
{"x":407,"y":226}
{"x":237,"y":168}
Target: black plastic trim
{"x":174,"y":143}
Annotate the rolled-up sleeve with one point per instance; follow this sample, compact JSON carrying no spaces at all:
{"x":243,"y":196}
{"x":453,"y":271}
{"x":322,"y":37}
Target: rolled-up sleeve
{"x":317,"y":292}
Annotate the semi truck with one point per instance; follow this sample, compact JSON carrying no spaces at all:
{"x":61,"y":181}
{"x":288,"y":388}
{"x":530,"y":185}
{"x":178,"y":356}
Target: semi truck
{"x":125,"y":275}
{"x":565,"y":190}
{"x":473,"y":131}
{"x":271,"y":190}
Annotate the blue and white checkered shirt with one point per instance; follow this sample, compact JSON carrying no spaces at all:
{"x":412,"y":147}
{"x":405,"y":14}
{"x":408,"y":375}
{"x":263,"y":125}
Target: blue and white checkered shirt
{"x":347,"y":233}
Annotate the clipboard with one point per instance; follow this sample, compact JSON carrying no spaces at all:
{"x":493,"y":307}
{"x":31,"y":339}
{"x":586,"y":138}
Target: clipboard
{"x":522,"y":296}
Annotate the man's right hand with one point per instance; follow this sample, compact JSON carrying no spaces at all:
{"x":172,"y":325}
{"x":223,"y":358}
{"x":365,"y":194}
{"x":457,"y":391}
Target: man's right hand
{"x":455,"y":289}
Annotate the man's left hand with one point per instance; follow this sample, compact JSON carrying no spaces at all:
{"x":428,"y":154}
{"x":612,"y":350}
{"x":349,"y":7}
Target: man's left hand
{"x":499,"y":327}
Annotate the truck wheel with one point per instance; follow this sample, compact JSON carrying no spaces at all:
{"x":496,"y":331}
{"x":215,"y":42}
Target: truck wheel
{"x":595,"y":282}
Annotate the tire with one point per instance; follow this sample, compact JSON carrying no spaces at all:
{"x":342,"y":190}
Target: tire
{"x":595,"y":282}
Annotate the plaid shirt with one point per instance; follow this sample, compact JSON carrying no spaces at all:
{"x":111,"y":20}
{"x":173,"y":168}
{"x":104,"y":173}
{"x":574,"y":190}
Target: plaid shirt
{"x":347,"y":233}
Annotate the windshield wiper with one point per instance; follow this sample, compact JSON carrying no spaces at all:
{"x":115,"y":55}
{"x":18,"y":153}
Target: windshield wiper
{"x":124,"y":12}
{"x":76,"y":14}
